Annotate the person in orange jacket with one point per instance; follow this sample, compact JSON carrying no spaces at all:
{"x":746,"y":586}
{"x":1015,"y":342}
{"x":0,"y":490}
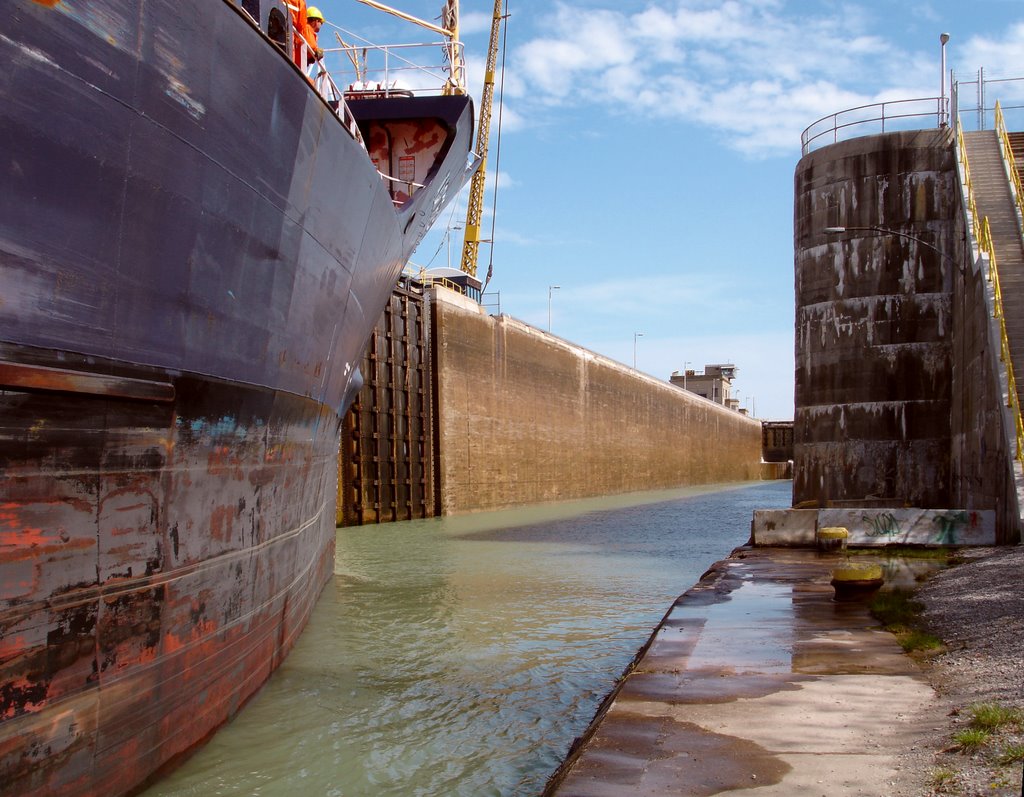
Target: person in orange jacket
{"x":314,"y":21}
{"x":305,"y":33}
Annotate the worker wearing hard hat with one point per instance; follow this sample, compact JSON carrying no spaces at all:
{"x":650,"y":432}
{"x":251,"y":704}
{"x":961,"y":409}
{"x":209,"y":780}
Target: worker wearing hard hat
{"x":306,"y":25}
{"x":314,"y":21}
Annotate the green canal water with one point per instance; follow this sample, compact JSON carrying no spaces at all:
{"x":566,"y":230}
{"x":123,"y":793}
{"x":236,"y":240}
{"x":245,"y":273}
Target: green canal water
{"x":462,"y":656}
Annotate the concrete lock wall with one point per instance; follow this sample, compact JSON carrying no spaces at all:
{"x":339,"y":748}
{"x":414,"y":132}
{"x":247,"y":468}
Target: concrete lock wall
{"x":898,"y":401}
{"x":525,"y":417}
{"x":874,"y":322}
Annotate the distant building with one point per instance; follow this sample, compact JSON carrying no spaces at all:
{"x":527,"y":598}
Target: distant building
{"x":714,"y":383}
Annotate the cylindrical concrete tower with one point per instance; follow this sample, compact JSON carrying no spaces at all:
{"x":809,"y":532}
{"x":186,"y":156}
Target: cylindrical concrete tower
{"x":873,"y":321}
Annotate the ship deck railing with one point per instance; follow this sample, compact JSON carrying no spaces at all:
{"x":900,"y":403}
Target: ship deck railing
{"x":397,"y":76}
{"x":372,"y":70}
{"x":335,"y":97}
{"x":391,"y":80}
{"x":399,"y":69}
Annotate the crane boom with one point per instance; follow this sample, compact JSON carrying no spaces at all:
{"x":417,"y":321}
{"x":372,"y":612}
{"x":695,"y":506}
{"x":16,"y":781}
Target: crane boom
{"x":474,"y":212}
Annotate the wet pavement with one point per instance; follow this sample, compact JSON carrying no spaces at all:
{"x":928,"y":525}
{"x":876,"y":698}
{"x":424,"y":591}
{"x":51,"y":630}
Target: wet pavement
{"x":757,"y":678}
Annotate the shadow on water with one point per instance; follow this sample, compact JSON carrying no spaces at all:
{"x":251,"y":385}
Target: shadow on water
{"x":461,"y":656}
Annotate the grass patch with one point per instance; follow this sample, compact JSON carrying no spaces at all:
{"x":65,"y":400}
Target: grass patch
{"x":971,"y":740}
{"x":991,"y":716}
{"x":943,"y":777}
{"x":1011,"y":754}
{"x":948,"y":555}
{"x":915,"y":640}
{"x":900,"y":614}
{"x":896,"y":610}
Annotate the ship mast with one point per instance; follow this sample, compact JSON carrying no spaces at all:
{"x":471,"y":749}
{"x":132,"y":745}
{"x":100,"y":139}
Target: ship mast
{"x":471,"y":240}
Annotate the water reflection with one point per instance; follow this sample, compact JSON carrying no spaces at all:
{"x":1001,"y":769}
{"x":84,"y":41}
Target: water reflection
{"x":461,"y":656}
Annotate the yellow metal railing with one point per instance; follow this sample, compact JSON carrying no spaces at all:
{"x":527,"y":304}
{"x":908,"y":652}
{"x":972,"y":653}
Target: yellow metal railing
{"x":444,"y":282}
{"x":982,"y":233}
{"x":1004,"y":145}
{"x":985,"y":244}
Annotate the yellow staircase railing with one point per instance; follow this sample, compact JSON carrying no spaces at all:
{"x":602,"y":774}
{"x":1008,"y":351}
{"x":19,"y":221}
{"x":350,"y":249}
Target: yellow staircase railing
{"x":1007,"y":150}
{"x":981,"y":232}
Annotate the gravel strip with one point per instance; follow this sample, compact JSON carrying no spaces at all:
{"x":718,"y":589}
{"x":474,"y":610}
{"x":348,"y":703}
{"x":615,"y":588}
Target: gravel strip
{"x":977,"y":609}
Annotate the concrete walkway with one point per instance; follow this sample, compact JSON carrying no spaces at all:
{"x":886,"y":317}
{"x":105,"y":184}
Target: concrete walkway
{"x":758,"y":679}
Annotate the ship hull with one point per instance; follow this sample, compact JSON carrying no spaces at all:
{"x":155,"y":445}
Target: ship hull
{"x":168,"y":554}
{"x":193,"y":252}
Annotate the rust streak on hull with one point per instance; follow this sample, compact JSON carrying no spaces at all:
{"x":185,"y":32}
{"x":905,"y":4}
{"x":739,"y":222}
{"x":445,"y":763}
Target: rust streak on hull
{"x":130,"y":640}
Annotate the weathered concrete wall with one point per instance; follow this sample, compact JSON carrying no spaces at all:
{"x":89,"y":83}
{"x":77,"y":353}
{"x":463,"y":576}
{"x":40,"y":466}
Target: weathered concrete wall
{"x":898,"y":402}
{"x":875,"y":527}
{"x":874,"y":322}
{"x":525,"y":417}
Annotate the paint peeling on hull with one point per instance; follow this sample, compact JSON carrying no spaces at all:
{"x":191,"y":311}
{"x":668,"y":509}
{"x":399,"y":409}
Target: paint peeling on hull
{"x":157,"y":563}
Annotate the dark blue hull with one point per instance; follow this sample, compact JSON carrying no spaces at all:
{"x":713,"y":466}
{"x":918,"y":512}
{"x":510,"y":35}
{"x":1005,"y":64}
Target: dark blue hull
{"x":193,"y":252}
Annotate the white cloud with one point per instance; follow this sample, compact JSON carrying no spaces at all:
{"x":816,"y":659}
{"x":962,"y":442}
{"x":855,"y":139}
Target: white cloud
{"x":1001,"y":58}
{"x":474,"y":22}
{"x":755,"y":70}
{"x":509,"y":117}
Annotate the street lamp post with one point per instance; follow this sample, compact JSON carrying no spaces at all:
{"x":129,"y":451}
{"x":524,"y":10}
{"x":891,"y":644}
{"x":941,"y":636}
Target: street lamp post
{"x":635,"y":336}
{"x":551,"y":288}
{"x":943,"y":109}
{"x":897,"y":233}
{"x":448,"y":235}
{"x":685,"y":363}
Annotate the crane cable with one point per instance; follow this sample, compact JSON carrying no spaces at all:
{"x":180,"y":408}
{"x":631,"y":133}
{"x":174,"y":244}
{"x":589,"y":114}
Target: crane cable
{"x":497,"y":151}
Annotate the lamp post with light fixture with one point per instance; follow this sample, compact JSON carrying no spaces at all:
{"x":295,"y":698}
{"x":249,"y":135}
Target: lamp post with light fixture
{"x":448,"y":235}
{"x":897,"y":233}
{"x":551,"y":288}
{"x":943,"y":108}
{"x":635,"y":336}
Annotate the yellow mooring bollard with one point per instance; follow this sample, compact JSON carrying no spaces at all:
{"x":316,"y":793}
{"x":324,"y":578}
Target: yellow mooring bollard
{"x":832,"y":538}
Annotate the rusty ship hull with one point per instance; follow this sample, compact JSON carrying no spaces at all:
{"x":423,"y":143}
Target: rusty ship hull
{"x":194,"y":248}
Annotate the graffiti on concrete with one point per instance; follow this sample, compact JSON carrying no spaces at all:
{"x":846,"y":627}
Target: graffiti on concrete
{"x":948,"y":525}
{"x":881,"y":526}
{"x":884,"y":524}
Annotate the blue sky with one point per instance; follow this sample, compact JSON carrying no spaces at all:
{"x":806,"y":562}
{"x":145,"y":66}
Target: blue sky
{"x":648,"y":152}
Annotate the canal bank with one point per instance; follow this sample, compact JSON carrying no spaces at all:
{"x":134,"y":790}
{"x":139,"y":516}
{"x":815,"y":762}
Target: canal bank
{"x":758,"y":678}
